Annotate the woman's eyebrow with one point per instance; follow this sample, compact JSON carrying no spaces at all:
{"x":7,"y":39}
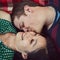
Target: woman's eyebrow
{"x":22,"y":36}
{"x":35,"y":43}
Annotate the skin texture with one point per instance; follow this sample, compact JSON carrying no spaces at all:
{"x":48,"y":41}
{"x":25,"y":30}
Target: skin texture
{"x":35,"y":18}
{"x":23,"y":42}
{"x":30,"y":41}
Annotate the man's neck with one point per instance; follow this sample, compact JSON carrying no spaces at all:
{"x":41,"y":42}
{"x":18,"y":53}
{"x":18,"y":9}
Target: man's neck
{"x":50,"y":17}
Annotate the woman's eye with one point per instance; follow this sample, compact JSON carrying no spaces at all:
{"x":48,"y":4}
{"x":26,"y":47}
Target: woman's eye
{"x":31,"y":41}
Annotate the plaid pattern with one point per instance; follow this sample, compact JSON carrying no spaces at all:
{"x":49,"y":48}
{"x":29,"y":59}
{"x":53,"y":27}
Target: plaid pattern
{"x":7,"y":5}
{"x":40,"y":1}
{"x":55,"y":3}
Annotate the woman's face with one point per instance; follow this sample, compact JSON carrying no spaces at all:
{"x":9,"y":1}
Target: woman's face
{"x":29,"y":41}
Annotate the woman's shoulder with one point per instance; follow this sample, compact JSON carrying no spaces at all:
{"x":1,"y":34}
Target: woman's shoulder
{"x":5,"y":15}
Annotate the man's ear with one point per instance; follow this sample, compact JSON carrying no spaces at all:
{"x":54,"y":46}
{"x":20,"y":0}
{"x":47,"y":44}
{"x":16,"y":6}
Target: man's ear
{"x":27,"y":10}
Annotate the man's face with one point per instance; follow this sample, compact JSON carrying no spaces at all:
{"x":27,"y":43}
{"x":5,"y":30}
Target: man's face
{"x":27,"y":23}
{"x":30,"y":21}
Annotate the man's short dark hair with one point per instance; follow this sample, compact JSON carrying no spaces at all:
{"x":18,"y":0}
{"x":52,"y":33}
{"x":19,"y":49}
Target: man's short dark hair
{"x":18,"y":8}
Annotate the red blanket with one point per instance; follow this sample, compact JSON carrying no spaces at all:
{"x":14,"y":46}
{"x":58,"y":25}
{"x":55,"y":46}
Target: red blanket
{"x":7,"y":5}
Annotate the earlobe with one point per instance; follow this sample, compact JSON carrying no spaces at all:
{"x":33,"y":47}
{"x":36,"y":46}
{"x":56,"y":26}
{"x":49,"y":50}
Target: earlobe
{"x":27,"y":10}
{"x":24,"y":55}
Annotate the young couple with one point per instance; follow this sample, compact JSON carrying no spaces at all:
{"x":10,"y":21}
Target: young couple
{"x":31,"y":17}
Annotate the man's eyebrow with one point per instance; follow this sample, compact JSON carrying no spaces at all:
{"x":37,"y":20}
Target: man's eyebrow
{"x":23,"y":24}
{"x":21,"y":27}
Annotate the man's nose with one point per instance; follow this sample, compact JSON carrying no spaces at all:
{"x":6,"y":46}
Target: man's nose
{"x":25,"y":29}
